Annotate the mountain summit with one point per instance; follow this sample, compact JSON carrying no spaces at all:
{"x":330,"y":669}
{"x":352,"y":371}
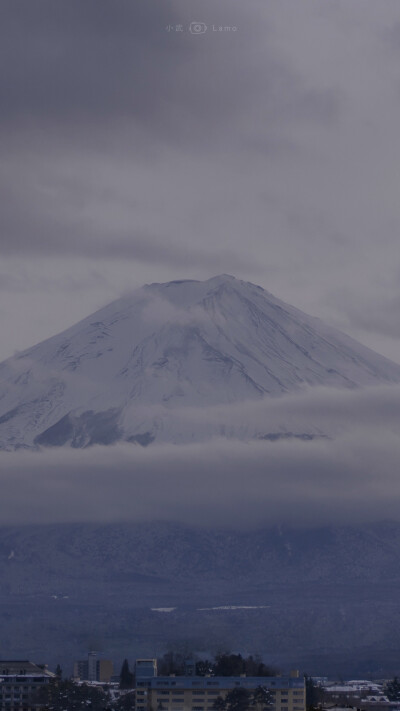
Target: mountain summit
{"x":137,"y":368}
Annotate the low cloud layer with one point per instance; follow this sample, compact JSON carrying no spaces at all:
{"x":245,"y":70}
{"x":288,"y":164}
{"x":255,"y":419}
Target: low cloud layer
{"x":350,"y":477}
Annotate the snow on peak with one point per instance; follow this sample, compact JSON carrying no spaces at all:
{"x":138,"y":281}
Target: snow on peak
{"x":133,"y":368}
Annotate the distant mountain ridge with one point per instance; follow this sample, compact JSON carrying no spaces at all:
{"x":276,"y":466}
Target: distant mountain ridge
{"x":133,"y":370}
{"x":323,"y":600}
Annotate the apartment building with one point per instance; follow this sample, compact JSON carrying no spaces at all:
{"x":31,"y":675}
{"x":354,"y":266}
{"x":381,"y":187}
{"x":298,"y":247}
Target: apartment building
{"x":94,"y":669}
{"x":20,"y":681}
{"x":194,"y":693}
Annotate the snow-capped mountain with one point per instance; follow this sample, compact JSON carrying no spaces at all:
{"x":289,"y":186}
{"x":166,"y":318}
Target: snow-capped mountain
{"x":148,"y":365}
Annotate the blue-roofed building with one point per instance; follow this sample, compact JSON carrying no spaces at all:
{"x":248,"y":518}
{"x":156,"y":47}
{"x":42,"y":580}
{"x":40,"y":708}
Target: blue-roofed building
{"x":195,"y":693}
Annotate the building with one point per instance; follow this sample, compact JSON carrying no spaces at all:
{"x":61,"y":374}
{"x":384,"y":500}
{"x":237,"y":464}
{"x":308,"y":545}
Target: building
{"x":94,"y":669}
{"x":363,"y":694}
{"x":145,"y":669}
{"x":20,"y":680}
{"x":195,"y":693}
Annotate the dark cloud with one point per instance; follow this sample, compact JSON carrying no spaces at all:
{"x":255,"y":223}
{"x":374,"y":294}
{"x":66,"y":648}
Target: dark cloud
{"x":76,"y":77}
{"x":99,"y":60}
{"x":350,"y":477}
{"x":77,"y":60}
{"x":270,"y":152}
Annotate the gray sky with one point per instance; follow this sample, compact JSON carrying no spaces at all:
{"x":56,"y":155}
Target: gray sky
{"x":134,"y":153}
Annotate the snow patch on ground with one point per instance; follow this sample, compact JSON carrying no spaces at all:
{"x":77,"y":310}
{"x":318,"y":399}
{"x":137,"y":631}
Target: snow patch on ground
{"x":163,"y":609}
{"x":234,"y":607}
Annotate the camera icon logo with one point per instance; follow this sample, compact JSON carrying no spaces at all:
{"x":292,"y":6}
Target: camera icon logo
{"x":197,"y":28}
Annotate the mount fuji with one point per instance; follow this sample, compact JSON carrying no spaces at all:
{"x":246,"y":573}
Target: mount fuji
{"x":151,"y":365}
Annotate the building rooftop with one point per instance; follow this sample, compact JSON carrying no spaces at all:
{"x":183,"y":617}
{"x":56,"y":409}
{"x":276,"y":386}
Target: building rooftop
{"x":23,"y":667}
{"x":225,"y":682}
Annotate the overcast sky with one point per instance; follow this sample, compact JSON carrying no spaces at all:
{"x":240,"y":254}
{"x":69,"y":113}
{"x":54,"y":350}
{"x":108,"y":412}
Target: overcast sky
{"x":134,"y":150}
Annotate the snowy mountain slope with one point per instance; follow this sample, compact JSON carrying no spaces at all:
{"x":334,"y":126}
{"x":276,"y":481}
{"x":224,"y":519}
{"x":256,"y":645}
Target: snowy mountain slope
{"x":133,"y":370}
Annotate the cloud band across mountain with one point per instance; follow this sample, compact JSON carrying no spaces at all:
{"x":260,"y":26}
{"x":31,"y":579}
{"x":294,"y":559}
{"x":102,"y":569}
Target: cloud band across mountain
{"x":350,"y":478}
